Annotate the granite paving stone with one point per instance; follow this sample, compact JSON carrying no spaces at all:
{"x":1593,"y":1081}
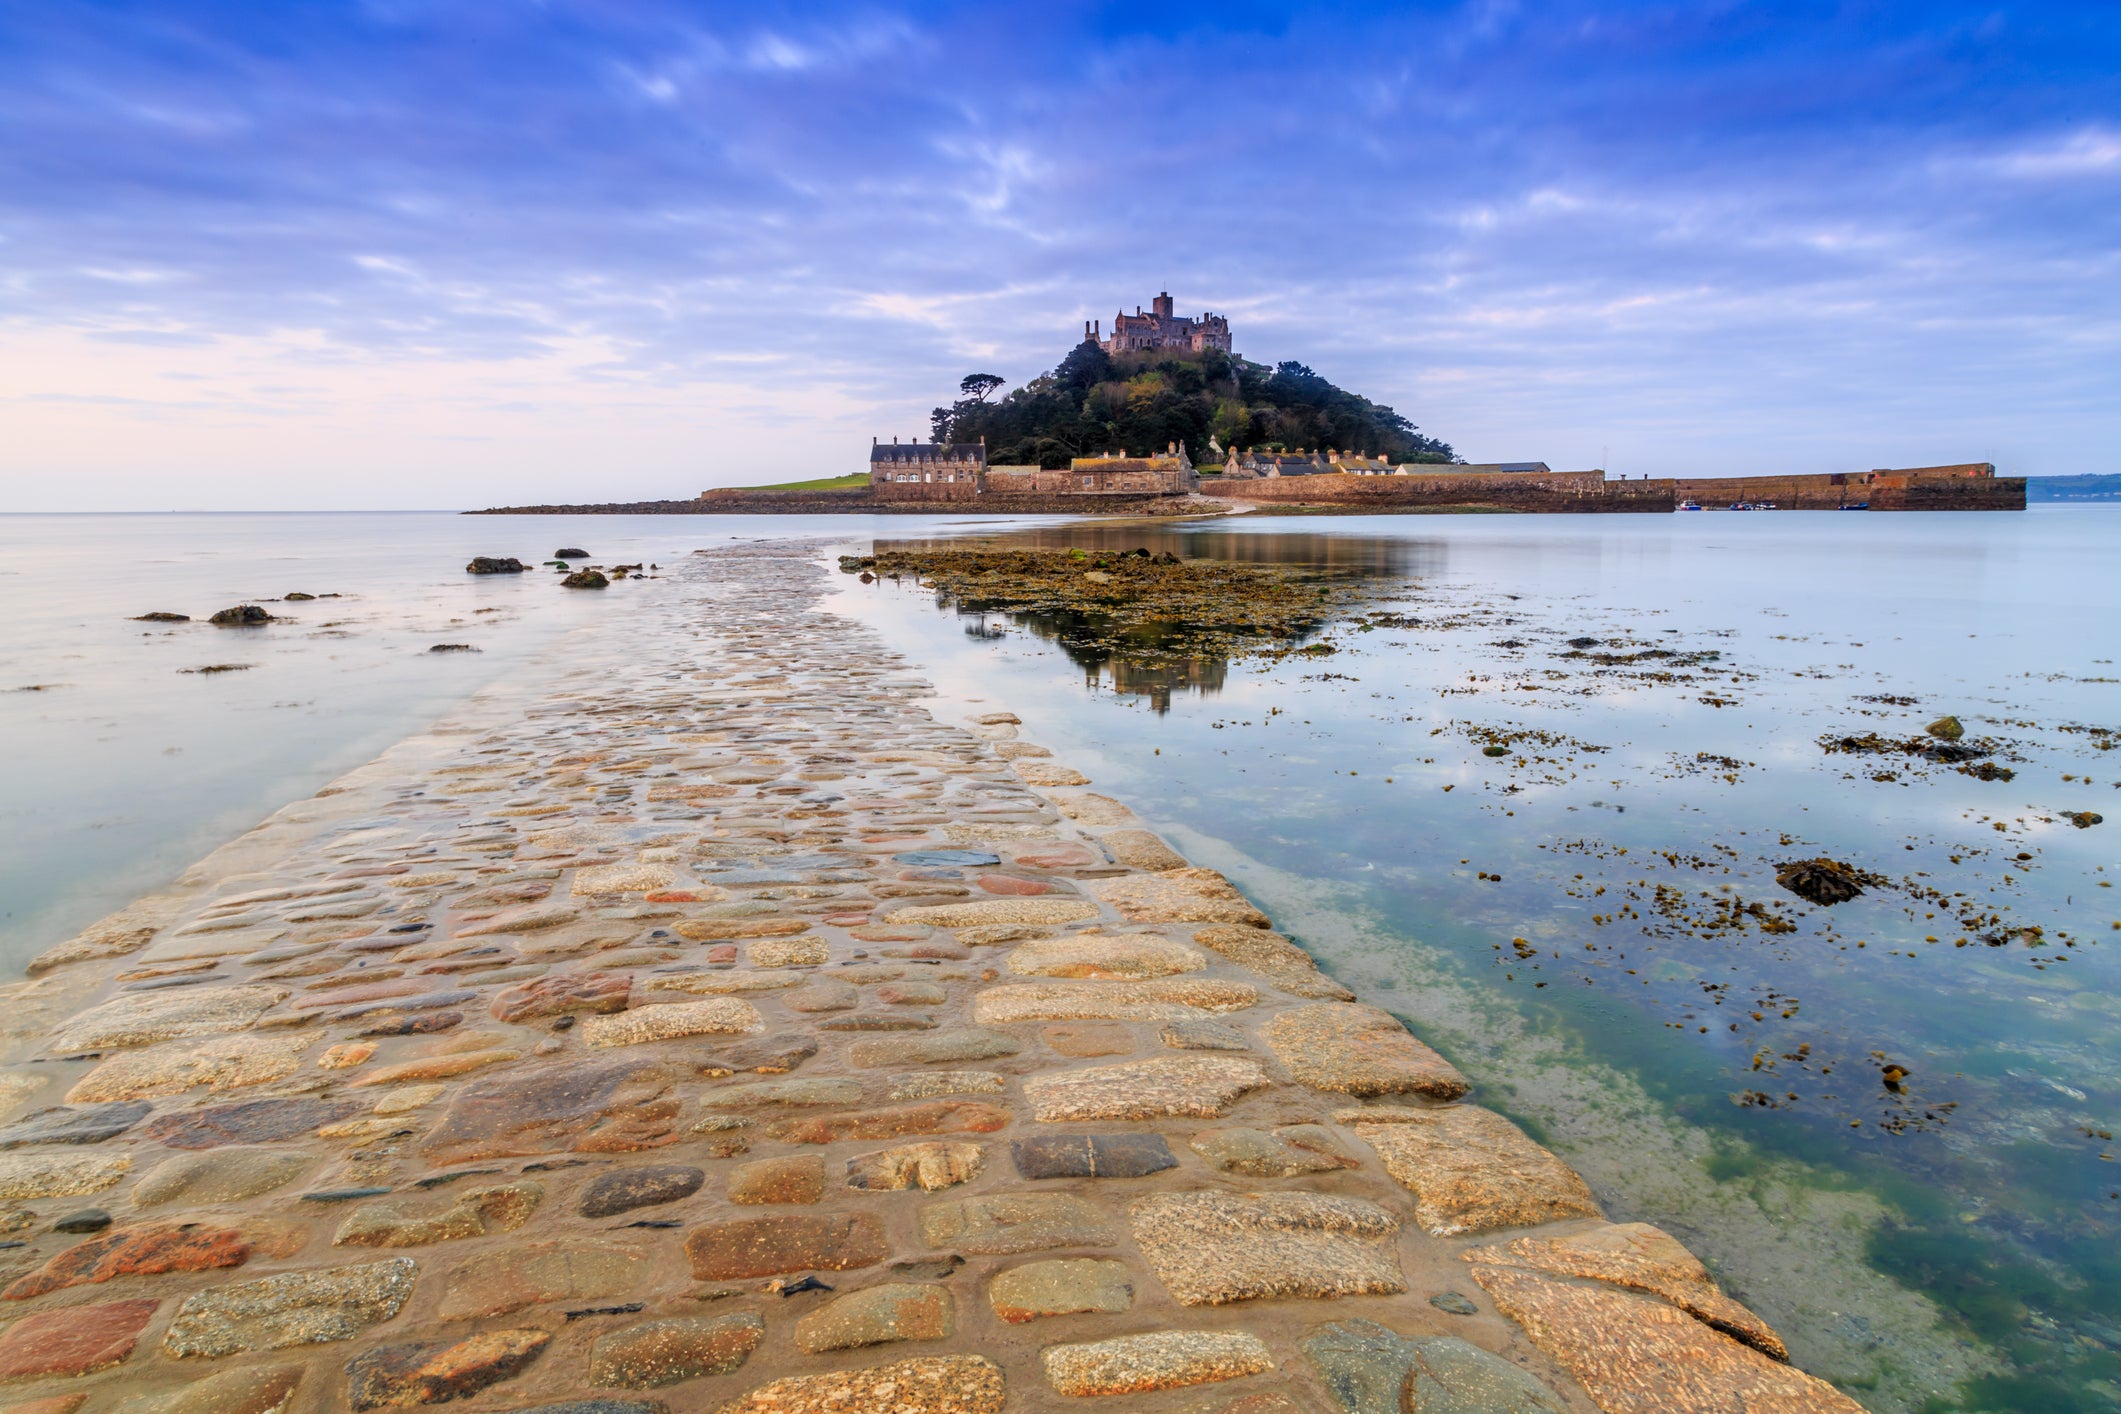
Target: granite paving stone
{"x":1200,"y":1086}
{"x":1002,"y":1224}
{"x":76,"y":1340}
{"x":653,"y":1354}
{"x":878,"y":1315}
{"x":1471,"y":1170}
{"x":74,"y":1124}
{"x":1063,"y":1286}
{"x":793,"y":1242}
{"x":641,"y":1186}
{"x":1209,"y":1249}
{"x":1091,"y":1155}
{"x":520,"y":1275}
{"x":1642,"y":1258}
{"x":437,"y":1372}
{"x":268,"y":1389}
{"x":46,"y":1175}
{"x":928,"y":1166}
{"x":1359,"y":1050}
{"x":1132,"y":1364}
{"x":289,"y":1309}
{"x":1633,"y":1352}
{"x":941,"y":1384}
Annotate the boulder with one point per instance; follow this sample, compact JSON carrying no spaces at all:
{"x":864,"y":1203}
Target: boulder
{"x":492,"y":564}
{"x":241,"y":616}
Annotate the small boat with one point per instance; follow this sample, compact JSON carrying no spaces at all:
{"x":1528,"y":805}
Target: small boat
{"x":1857,"y":506}
{"x":1690,"y":505}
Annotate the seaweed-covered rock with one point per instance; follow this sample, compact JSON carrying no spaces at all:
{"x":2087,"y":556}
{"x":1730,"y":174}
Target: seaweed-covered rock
{"x":1822,"y":881}
{"x":494,"y":564}
{"x":242,"y":615}
{"x":585,"y":579}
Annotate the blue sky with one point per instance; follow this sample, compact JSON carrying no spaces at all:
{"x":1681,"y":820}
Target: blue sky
{"x":481,"y":251}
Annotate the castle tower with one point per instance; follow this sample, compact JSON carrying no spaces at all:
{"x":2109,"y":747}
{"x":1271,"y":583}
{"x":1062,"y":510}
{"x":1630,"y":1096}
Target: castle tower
{"x":1162,"y":305}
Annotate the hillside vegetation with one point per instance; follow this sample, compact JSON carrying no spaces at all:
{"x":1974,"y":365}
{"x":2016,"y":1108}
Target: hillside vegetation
{"x":1095,"y":402}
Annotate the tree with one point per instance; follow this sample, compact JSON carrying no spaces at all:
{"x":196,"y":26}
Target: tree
{"x":980,"y":386}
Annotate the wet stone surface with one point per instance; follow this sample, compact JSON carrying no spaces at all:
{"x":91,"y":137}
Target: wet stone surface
{"x":701,"y":1024}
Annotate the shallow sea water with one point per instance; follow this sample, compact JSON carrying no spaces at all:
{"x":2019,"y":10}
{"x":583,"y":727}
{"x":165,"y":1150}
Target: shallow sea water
{"x":123,"y":764}
{"x":1887,"y":1123}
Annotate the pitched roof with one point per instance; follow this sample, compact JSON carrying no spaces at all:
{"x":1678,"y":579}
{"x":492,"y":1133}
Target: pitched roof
{"x":929,"y":452}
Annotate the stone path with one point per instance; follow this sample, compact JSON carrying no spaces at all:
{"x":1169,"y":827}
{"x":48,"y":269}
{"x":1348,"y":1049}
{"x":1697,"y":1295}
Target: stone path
{"x":710,"y":1028}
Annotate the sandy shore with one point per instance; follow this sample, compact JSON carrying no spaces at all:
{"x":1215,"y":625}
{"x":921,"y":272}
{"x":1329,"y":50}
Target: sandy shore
{"x":705,"y":1026}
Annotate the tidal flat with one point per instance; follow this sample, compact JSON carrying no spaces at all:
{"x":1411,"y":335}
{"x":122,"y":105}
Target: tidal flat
{"x":704,"y":1022}
{"x":1536,"y":792}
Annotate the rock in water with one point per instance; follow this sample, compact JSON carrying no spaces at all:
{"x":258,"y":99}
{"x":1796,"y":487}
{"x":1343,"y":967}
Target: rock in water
{"x":1946,"y":729}
{"x":241,"y":615}
{"x":488,"y":564}
{"x":161,"y":617}
{"x":1822,"y":881}
{"x":570,"y":554}
{"x":585,"y":579}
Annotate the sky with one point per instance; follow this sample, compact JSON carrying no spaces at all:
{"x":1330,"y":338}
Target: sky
{"x":458,"y":253}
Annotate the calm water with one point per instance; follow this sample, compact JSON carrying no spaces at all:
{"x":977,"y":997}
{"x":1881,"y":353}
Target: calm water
{"x":1589,"y":923}
{"x":1887,"y":1123}
{"x":124,"y":764}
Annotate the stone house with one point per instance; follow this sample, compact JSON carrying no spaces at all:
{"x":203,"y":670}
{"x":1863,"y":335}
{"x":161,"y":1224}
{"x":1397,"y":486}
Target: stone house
{"x":927,"y":471}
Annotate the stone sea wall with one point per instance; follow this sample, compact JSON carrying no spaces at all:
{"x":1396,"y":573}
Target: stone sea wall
{"x":702,"y":1025}
{"x":1566,"y":492}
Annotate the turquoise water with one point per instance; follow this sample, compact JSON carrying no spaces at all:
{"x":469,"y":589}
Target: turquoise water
{"x":1888,"y":1123}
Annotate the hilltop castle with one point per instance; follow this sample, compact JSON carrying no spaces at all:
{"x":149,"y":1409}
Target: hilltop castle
{"x":1160,"y":329}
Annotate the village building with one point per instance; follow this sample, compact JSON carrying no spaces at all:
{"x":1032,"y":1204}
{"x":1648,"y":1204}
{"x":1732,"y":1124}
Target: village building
{"x":1160,"y":330}
{"x":927,"y":471}
{"x":1166,"y":473}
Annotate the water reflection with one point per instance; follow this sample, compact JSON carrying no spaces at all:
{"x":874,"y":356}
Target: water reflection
{"x":1152,"y":661}
{"x":1606,"y":885}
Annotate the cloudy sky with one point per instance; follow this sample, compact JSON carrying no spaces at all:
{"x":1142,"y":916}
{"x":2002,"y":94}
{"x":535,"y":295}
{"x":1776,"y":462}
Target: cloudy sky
{"x":466,"y":252}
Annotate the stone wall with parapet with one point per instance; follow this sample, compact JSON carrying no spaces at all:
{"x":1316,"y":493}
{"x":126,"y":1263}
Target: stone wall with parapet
{"x":1562,"y":491}
{"x":1945,"y":489}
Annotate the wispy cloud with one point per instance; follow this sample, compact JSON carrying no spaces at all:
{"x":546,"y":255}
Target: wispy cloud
{"x":1533,"y":228}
